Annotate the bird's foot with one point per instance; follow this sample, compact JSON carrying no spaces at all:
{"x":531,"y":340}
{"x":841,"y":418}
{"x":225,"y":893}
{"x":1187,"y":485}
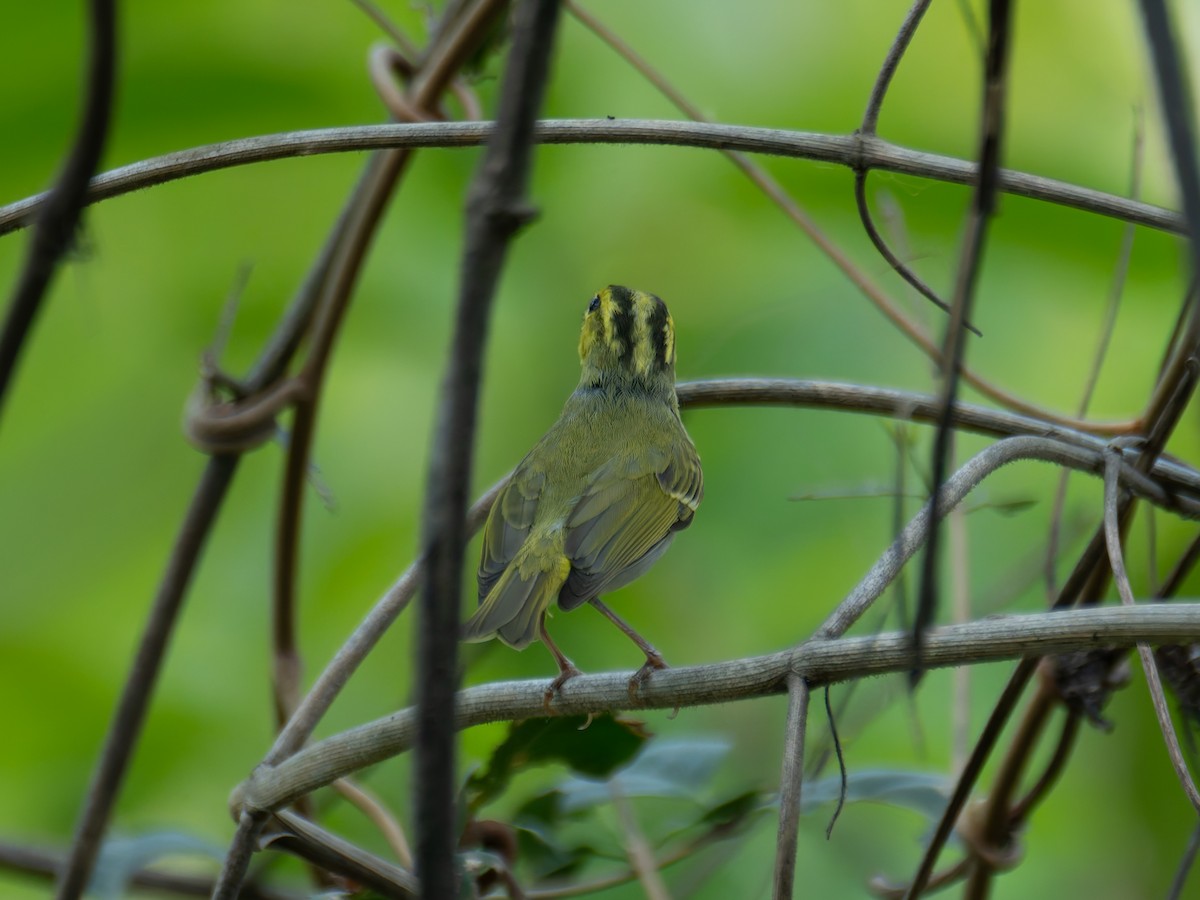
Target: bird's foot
{"x":565,"y":674}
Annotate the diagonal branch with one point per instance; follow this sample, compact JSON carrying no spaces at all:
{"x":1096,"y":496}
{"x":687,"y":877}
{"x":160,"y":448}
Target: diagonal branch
{"x":954,"y":345}
{"x":63,"y":204}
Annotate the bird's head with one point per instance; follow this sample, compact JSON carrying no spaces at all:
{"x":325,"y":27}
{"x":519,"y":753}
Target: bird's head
{"x":627,"y":341}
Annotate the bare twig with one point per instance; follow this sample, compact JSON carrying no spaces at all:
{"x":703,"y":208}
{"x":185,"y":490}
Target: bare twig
{"x":637,"y":848}
{"x":1115,"y":292}
{"x":791,"y":781}
{"x":370,"y":806}
{"x":328,"y":851}
{"x":970,"y":772}
{"x":1023,"y":808}
{"x":818,"y":661}
{"x":990,"y":840}
{"x":130,"y":715}
{"x":63,"y":204}
{"x":1177,"y":110}
{"x":46,"y":864}
{"x":356,"y":230}
{"x":495,"y":210}
{"x":1185,"y":865}
{"x":1112,"y":534}
{"x":991,"y":132}
{"x":870,"y":119}
{"x":847,"y":150}
{"x":331,"y":278}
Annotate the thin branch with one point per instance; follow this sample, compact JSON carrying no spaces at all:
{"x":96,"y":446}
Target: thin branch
{"x":63,"y":204}
{"x":990,"y":839}
{"x":791,"y":781}
{"x":991,"y":133}
{"x":637,"y":848}
{"x":1177,"y":110}
{"x":887,"y":71}
{"x":870,"y":119}
{"x":456,"y":38}
{"x":818,"y":661}
{"x":335,"y":854}
{"x":355,"y":235}
{"x":848,"y":150}
{"x":700,"y":394}
{"x":495,"y":211}
{"x":126,"y":723}
{"x":46,"y":864}
{"x":1179,"y":882}
{"x":971,"y":771}
{"x":1053,"y":769}
{"x":877,"y":579}
{"x":1087,"y":582}
{"x":1112,"y":534}
{"x":379,"y":815}
{"x":1116,"y":291}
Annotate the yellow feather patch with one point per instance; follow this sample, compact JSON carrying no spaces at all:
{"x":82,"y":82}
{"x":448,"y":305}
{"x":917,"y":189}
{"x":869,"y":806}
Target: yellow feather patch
{"x":608,"y":312}
{"x":669,"y":340}
{"x":643,"y":348}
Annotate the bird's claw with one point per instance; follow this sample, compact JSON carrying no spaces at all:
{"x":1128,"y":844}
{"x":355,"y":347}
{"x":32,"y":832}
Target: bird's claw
{"x":642,"y":675}
{"x":565,"y":674}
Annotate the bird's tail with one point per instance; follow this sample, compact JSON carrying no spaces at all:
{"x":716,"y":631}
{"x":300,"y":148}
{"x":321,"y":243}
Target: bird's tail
{"x":514,"y":606}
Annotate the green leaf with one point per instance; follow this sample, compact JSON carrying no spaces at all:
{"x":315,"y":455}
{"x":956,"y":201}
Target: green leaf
{"x":597,"y":750}
{"x":676,"y":768}
{"x":922,"y":792}
{"x":120,"y":858}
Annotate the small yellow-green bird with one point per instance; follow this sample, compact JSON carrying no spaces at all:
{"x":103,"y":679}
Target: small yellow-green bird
{"x":599,"y":498}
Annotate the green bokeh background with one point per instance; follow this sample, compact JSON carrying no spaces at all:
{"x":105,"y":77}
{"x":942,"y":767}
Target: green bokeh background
{"x":94,"y":473}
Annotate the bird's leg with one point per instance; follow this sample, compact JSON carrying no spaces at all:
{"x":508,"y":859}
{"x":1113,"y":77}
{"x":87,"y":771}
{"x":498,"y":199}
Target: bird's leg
{"x":566,"y":668}
{"x":654,"y":659}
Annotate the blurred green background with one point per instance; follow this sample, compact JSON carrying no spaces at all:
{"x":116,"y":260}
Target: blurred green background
{"x":94,"y":473}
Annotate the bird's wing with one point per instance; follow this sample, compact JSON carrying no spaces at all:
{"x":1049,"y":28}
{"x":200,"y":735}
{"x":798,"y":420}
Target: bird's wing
{"x":508,"y":525}
{"x":625,"y":518}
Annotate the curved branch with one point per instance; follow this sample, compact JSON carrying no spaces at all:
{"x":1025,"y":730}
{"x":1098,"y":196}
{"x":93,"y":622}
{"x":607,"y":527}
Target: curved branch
{"x":817,"y":661}
{"x":741,"y":678}
{"x":724,"y":392}
{"x":854,"y":151}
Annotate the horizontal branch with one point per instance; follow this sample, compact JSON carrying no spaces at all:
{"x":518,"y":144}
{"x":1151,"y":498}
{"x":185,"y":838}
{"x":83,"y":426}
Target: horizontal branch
{"x":817,"y":661}
{"x":858,"y":152}
{"x":918,"y":407}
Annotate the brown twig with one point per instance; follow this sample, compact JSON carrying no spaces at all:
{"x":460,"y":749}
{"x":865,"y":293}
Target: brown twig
{"x":1177,"y":110}
{"x":126,"y":723}
{"x":46,"y":864}
{"x":870,"y":119}
{"x":1112,"y":534}
{"x":63,"y":204}
{"x":371,"y":807}
{"x":791,"y":782}
{"x":641,"y":855}
{"x":330,"y":282}
{"x":847,"y":150}
{"x":819,"y":661}
{"x":495,"y":211}
{"x":1115,"y":292}
{"x":329,"y":852}
{"x":991,"y":132}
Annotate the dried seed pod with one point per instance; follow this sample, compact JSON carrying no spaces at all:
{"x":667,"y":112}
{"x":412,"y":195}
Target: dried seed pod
{"x":1085,"y":680}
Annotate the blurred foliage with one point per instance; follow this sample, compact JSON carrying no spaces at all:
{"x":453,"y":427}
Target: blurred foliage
{"x":94,"y":475}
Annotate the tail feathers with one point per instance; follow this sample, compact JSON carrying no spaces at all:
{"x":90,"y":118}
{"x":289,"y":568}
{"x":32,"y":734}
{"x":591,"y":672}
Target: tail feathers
{"x":513,"y":608}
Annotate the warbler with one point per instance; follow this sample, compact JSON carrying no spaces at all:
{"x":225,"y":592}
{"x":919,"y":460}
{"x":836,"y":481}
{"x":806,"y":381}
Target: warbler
{"x":599,"y":498}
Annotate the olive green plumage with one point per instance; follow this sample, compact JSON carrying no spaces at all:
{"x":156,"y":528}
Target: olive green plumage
{"x":600,"y":497}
